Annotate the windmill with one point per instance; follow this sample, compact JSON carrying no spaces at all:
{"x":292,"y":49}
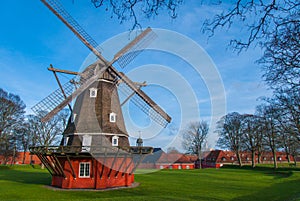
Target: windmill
{"x":94,"y":151}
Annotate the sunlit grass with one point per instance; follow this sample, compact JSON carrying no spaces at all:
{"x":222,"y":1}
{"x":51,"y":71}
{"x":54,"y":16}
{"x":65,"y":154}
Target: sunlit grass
{"x":229,"y":183}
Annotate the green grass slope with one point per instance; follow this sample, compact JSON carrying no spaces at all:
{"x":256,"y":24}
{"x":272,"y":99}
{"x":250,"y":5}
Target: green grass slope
{"x":229,"y":183}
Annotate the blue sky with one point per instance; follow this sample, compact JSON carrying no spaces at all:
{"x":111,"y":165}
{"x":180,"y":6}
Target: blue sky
{"x":32,"y":38}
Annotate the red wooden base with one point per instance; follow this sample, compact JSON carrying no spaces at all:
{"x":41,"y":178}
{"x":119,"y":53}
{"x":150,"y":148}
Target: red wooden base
{"x":116,"y":172}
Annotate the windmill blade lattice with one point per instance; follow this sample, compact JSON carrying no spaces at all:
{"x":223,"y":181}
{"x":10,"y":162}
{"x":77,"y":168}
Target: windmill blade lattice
{"x":51,"y":101}
{"x":124,"y":56}
{"x":142,"y":104}
{"x":135,"y":47}
{"x":55,"y":99}
{"x":71,"y":23}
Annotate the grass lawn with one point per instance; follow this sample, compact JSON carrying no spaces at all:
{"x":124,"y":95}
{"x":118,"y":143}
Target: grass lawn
{"x":228,"y":183}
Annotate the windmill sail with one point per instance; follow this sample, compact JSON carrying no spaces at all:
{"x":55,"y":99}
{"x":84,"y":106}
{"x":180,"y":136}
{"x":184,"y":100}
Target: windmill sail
{"x":68,"y":20}
{"x":126,"y":55}
{"x":143,"y":101}
{"x":134,"y":48}
{"x":56,"y":101}
{"x":144,"y":106}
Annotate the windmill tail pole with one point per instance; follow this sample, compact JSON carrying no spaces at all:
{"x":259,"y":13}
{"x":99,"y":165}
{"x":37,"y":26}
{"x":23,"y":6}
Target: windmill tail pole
{"x":61,"y":87}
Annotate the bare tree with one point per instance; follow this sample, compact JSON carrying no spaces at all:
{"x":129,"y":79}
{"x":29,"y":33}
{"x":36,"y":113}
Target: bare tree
{"x":229,"y":129}
{"x":281,"y":59}
{"x":294,"y":149}
{"x":46,"y":133}
{"x":269,"y":120}
{"x":126,"y":10}
{"x":7,"y":147}
{"x":275,"y":27}
{"x":25,"y":137}
{"x":172,"y":150}
{"x":262,"y":20}
{"x":288,"y":142}
{"x":252,"y":137}
{"x":12,"y":110}
{"x":289,"y":104}
{"x":194,"y":138}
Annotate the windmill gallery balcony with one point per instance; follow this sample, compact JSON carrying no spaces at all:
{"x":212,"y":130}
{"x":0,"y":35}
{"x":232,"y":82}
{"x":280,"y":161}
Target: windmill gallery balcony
{"x":91,"y":166}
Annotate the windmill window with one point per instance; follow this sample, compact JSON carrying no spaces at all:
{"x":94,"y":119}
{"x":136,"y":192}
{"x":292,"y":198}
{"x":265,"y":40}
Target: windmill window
{"x":84,"y":169}
{"x":113,"y":117}
{"x":93,"y":92}
{"x":115,"y":141}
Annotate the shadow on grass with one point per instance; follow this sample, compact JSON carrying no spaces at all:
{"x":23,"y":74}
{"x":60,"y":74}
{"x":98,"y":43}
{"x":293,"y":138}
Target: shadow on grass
{"x":285,"y":189}
{"x":25,"y":174}
{"x":288,"y":190}
{"x":281,"y":172}
{"x":262,"y":167}
{"x":4,"y":167}
{"x":35,"y":179}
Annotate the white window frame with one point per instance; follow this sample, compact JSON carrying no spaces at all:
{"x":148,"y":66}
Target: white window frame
{"x":93,"y":92}
{"x":84,"y":172}
{"x":115,"y":139}
{"x":112,"y":117}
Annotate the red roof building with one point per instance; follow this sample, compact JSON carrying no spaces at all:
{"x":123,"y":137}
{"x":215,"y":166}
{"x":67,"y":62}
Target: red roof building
{"x":21,"y":158}
{"x":217,"y":158}
{"x":174,"y":160}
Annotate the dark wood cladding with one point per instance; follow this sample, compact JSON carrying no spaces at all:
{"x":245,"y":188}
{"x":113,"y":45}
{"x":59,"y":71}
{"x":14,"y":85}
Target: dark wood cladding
{"x":92,"y":114}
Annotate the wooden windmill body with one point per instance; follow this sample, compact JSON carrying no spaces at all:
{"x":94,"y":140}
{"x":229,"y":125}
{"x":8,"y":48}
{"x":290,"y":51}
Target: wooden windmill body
{"x":94,"y":151}
{"x":97,"y":112}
